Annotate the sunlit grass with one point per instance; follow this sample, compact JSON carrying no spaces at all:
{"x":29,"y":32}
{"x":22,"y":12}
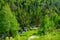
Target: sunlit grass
{"x":50,"y":36}
{"x":55,"y":35}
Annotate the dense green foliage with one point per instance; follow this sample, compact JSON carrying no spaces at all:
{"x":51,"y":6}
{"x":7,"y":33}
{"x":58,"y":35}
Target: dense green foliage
{"x":16,"y":15}
{"x":8,"y":21}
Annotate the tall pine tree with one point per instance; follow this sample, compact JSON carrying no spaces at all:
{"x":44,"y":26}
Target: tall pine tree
{"x":8,"y":22}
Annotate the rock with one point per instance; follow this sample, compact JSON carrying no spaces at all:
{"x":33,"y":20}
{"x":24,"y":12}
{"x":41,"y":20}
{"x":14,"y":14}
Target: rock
{"x":32,"y":37}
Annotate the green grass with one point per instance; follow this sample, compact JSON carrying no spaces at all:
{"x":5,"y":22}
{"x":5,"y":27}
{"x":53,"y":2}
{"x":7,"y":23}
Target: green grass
{"x":50,"y":36}
{"x":55,"y":35}
{"x":30,"y":33}
{"x":26,"y":35}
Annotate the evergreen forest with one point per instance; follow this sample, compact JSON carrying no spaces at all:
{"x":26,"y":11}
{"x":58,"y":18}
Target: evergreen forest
{"x":29,"y":19}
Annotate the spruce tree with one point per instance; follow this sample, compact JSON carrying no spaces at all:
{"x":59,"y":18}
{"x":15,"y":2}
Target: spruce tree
{"x":55,"y":18}
{"x":45,"y":25}
{"x":8,"y":21}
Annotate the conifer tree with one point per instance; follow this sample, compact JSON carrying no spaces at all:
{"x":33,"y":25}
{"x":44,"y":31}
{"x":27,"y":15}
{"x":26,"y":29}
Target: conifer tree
{"x":45,"y":25}
{"x":8,"y":21}
{"x":55,"y":18}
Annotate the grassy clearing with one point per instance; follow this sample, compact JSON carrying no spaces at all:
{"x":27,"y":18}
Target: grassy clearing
{"x":50,"y":36}
{"x":55,"y":35}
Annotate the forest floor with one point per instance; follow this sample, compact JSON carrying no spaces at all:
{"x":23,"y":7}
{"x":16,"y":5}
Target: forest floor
{"x":55,"y":35}
{"x":32,"y":35}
